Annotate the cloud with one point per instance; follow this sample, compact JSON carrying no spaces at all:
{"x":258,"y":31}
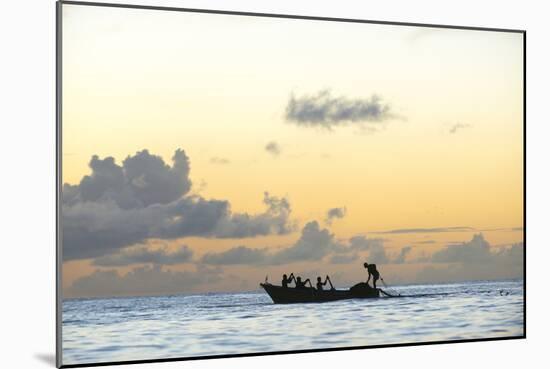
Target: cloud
{"x":273,"y":148}
{"x":474,"y":260}
{"x":335,"y":213}
{"x":325,"y":111}
{"x":427,"y":230}
{"x":142,"y":281}
{"x":508,"y":229}
{"x":419,"y":33}
{"x":426,"y":242}
{"x":377,"y":250}
{"x":143,"y":255}
{"x":275,"y":220}
{"x":315,"y":243}
{"x":119,"y":206}
{"x":349,"y":251}
{"x":236,"y":255}
{"x":95,"y":229}
{"x":142,"y":180}
{"x":475,"y":251}
{"x":218,"y":160}
{"x":377,"y":255}
{"x":343,"y":258}
{"x":362,"y":243}
{"x":457,"y":127}
{"x":400,"y":259}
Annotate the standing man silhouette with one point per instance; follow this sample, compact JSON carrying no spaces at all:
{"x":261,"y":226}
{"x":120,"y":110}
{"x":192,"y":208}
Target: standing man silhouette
{"x":371,"y":268}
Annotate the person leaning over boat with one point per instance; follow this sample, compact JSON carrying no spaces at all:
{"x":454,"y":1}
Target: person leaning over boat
{"x":371,"y":268}
{"x":286,"y":280}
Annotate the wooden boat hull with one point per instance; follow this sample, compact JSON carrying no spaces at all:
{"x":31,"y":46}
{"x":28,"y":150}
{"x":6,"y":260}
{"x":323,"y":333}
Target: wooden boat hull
{"x":281,"y":295}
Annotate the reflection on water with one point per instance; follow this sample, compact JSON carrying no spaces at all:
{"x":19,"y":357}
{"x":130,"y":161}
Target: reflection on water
{"x":138,"y":328}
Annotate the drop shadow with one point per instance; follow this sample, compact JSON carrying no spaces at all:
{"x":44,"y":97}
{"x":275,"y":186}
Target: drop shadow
{"x":46,"y":358}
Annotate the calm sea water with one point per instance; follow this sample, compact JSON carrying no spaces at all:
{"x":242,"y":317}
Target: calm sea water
{"x":136,"y":328}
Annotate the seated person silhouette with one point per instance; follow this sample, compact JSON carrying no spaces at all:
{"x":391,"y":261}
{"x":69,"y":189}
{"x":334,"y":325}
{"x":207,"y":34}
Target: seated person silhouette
{"x":286,"y":280}
{"x":300,"y":284}
{"x":371,"y":268}
{"x":321,"y":284}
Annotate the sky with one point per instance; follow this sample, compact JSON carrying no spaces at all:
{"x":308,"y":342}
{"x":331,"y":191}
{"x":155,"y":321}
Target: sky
{"x":204,"y":152}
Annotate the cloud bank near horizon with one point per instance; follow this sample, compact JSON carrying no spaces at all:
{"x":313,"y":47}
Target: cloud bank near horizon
{"x":113,"y":213}
{"x":473,"y":260}
{"x":144,"y":280}
{"x":145,"y":255}
{"x":314,"y":244}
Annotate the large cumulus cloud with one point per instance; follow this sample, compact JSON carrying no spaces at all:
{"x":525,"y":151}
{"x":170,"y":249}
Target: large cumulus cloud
{"x":120,"y":205}
{"x":142,"y":180}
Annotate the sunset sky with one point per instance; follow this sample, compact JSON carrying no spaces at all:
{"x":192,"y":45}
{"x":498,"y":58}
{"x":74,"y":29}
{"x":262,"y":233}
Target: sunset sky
{"x":299,"y":146}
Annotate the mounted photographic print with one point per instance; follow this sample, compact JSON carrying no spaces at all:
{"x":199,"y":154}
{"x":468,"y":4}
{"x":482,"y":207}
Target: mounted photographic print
{"x":236,"y":184}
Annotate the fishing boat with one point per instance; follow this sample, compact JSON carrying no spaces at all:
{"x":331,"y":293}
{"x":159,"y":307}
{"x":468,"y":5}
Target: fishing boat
{"x":288,"y":295}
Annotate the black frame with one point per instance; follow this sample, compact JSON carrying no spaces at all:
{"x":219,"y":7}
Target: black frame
{"x":59,"y":259}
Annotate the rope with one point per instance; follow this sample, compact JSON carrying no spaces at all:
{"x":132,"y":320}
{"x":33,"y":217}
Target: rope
{"x":389,"y":295}
{"x":419,"y":295}
{"x":393,"y":293}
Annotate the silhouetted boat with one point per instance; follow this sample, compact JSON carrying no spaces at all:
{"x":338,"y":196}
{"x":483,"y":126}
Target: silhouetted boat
{"x":281,"y":295}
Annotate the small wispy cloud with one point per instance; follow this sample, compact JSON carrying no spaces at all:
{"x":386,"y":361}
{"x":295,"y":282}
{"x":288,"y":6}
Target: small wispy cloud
{"x":427,"y":230}
{"x":459,"y":126}
{"x":508,"y":229}
{"x":219,"y":161}
{"x":426,"y":242}
{"x":273,"y":148}
{"x":335,"y":213}
{"x":420,"y":33}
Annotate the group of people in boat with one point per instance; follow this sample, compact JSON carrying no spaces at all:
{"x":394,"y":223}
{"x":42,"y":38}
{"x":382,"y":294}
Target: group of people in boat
{"x":299,"y":283}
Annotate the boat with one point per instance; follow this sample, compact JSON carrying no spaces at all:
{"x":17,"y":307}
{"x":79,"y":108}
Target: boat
{"x":288,"y":295}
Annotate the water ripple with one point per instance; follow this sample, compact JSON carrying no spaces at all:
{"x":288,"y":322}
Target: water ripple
{"x":116,"y":329}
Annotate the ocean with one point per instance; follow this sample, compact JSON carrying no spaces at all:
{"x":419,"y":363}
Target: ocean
{"x":177,"y":326}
